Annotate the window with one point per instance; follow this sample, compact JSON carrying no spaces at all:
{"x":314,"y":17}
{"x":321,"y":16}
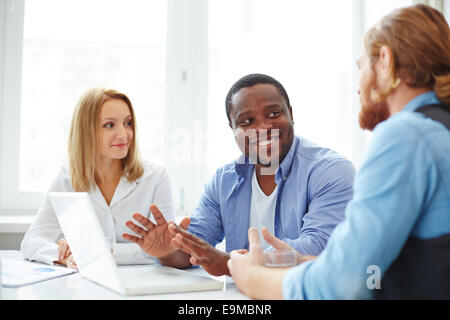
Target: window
{"x":306,"y":45}
{"x":176,"y":60}
{"x":71,"y":46}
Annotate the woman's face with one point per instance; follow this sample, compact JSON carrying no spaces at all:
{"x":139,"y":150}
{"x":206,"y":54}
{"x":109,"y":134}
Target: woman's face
{"x":116,"y":129}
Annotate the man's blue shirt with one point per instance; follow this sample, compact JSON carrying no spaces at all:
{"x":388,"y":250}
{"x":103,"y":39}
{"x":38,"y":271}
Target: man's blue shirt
{"x":314,"y":186}
{"x":401,"y":190}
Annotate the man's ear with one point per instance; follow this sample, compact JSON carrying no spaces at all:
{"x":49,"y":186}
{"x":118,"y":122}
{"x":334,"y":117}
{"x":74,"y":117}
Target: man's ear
{"x":386,"y":61}
{"x":290,"y":112}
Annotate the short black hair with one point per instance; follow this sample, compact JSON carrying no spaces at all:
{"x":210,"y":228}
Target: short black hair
{"x":249,"y":81}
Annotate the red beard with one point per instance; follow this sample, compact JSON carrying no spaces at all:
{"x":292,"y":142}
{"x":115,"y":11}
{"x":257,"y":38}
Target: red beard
{"x":372,"y":114}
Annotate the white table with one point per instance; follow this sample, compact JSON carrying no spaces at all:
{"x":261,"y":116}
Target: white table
{"x":75,"y":287}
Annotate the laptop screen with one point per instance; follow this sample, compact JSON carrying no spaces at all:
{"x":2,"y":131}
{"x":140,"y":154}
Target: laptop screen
{"x":80,"y":225}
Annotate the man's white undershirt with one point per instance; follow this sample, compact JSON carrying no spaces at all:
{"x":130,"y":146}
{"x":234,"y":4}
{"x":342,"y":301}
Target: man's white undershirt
{"x":262,"y":209}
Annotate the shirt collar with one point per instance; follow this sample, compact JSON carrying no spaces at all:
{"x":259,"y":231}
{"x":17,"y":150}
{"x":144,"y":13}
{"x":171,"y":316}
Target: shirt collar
{"x":241,"y":165}
{"x":285,"y":166}
{"x":424,"y":99}
{"x":148,"y":171}
{"x":123,"y":189}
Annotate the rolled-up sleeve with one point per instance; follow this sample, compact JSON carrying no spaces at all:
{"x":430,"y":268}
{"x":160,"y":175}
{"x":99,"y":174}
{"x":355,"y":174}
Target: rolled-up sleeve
{"x":206,"y":221}
{"x":330,"y":190}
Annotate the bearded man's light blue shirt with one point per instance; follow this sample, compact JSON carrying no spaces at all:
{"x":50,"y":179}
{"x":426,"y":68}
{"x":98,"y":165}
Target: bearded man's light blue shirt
{"x":314,"y":186}
{"x":401,"y":190}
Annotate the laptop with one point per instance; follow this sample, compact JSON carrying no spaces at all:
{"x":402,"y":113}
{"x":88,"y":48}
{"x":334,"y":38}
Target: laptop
{"x":95,"y":262}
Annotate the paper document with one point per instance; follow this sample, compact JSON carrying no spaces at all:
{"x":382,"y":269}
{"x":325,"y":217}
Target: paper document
{"x":16,"y":273}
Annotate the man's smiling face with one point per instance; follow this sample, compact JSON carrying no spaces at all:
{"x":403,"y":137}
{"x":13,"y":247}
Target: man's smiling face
{"x":262,"y":123}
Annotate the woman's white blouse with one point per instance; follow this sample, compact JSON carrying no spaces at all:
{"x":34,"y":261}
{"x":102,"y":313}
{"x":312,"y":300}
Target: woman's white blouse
{"x":153,"y":186}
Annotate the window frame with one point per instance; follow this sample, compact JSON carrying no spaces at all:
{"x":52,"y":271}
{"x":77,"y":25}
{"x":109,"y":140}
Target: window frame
{"x":11,"y":200}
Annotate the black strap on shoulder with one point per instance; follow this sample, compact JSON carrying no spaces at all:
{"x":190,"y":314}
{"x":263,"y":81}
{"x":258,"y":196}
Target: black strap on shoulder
{"x":421,"y":271}
{"x":437,"y":112}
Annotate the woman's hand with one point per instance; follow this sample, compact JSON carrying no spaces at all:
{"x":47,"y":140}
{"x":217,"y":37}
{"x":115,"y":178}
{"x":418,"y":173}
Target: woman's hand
{"x":63,"y":249}
{"x":65,"y":256}
{"x":70,"y":262}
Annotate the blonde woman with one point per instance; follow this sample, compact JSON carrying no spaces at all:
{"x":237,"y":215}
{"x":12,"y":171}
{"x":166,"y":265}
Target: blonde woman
{"x":104,"y":161}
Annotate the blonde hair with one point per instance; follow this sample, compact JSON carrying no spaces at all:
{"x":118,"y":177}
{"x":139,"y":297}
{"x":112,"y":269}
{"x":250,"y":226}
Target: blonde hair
{"x":419,"y":38}
{"x":84,"y":140}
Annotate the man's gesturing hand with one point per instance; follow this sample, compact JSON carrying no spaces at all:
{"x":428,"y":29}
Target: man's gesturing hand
{"x":154,"y":238}
{"x":202,"y":253}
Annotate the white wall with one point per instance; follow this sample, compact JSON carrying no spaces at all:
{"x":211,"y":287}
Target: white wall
{"x":10,"y":241}
{"x":446,"y":9}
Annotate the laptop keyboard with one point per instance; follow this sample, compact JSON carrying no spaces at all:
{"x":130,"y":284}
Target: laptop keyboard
{"x":152,"y":275}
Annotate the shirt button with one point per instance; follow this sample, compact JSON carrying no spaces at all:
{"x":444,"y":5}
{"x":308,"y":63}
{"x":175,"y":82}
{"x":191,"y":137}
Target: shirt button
{"x":284,"y":178}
